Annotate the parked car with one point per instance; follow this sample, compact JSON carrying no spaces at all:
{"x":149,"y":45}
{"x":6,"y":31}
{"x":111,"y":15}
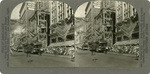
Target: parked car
{"x":102,"y":48}
{"x":20,"y":49}
{"x":85,"y":47}
{"x":36,"y":49}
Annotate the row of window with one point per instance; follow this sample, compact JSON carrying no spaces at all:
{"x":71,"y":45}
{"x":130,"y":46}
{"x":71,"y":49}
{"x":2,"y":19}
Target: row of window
{"x":126,"y":15}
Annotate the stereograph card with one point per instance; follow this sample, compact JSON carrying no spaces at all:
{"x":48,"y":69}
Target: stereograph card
{"x":74,"y":37}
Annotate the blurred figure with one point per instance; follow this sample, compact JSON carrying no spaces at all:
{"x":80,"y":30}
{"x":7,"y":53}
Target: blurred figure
{"x":106,"y":50}
{"x":72,"y":52}
{"x":41,"y":51}
{"x":29,"y":48}
{"x":93,"y":47}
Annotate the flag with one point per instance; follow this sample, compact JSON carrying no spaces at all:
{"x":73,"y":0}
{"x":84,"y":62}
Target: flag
{"x":62,"y":30}
{"x":98,"y":35}
{"x":127,"y":28}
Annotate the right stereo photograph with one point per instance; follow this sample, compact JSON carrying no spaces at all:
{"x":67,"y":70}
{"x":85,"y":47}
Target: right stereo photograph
{"x":107,"y":34}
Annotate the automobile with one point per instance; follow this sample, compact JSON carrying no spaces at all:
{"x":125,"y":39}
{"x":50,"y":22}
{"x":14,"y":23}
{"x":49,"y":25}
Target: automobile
{"x":37,"y":48}
{"x":85,"y":47}
{"x":35,"y":51}
{"x":102,"y":48}
{"x":20,"y":49}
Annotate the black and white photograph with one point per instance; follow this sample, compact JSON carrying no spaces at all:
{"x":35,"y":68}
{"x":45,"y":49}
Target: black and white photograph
{"x":103,"y":33}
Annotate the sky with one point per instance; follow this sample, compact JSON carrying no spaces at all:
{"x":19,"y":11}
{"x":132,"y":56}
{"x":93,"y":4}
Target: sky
{"x":80,"y":12}
{"x":15,"y":12}
{"x":16,"y":28}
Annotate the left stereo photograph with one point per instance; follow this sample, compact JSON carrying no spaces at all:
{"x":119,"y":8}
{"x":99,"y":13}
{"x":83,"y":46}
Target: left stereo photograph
{"x":41,"y":34}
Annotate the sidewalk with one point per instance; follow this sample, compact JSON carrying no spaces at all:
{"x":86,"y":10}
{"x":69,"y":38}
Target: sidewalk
{"x":111,"y":59}
{"x":82,"y":59}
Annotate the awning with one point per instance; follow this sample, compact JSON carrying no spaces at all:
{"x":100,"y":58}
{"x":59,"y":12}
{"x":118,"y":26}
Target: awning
{"x":128,"y":42}
{"x":67,"y":43}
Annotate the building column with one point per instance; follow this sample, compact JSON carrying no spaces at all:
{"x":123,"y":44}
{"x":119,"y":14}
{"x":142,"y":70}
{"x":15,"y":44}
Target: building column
{"x":56,"y":39}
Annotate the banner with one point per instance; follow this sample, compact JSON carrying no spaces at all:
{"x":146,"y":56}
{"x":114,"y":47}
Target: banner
{"x":127,"y":28}
{"x":62,"y":30}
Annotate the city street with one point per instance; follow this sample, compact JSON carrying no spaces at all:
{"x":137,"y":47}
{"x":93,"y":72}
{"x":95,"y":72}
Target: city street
{"x":82,"y":59}
{"x":108,"y":25}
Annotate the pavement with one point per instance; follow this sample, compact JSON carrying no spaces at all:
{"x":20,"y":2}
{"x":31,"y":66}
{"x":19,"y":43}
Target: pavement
{"x":82,"y":59}
{"x":110,"y":59}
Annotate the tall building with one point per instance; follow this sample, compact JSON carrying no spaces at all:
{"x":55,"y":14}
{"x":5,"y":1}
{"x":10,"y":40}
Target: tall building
{"x":108,"y":13}
{"x":102,"y":21}
{"x":43,"y":22}
{"x":41,"y":15}
{"x":99,"y":28}
{"x":127,"y":28}
{"x":91,"y":10}
{"x":80,"y":31}
{"x":35,"y":16}
{"x":26,"y":11}
{"x":61,"y":13}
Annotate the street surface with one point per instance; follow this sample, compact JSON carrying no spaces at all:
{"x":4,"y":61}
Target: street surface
{"x":82,"y":59}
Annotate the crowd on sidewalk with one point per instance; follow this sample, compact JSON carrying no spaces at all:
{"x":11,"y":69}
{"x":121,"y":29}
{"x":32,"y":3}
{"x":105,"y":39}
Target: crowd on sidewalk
{"x":127,"y":49}
{"x":65,"y":50}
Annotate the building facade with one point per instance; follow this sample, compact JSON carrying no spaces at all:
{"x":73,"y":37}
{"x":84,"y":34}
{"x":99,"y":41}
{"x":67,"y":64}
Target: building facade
{"x":26,"y":11}
{"x":102,"y":21}
{"x":108,"y":20}
{"x":80,"y":31}
{"x":61,"y":13}
{"x":116,"y":23}
{"x":91,"y":10}
{"x":127,"y":28}
{"x":45,"y":15}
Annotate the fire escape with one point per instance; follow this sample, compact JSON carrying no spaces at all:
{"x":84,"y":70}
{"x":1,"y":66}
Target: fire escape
{"x":43,"y":23}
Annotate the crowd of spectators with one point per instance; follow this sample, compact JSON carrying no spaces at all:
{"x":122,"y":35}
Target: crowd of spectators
{"x":59,"y":50}
{"x":128,"y":49}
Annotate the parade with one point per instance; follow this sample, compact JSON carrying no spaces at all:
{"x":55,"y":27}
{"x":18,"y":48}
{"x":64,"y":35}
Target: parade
{"x":50,"y":33}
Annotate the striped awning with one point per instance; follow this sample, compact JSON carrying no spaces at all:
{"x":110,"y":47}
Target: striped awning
{"x":67,"y":43}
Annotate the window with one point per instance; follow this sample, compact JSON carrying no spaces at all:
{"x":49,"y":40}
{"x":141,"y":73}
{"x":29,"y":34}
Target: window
{"x":70,"y":37}
{"x":43,"y":30}
{"x":135,"y":35}
{"x":60,"y":39}
{"x":108,"y":28}
{"x":125,"y":38}
{"x":54,"y":40}
{"x":119,"y":39}
{"x":105,"y":15}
